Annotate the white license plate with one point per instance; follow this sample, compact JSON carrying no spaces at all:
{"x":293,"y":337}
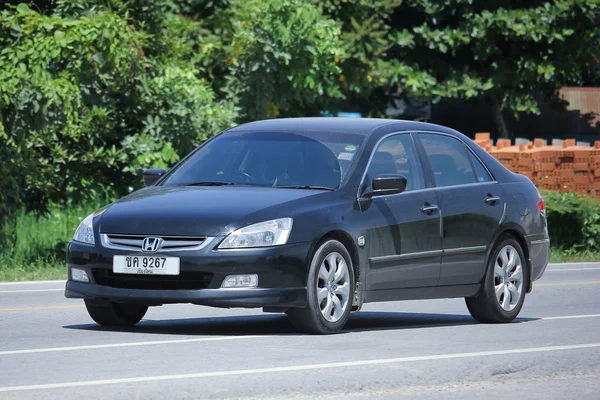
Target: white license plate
{"x":155,"y":265}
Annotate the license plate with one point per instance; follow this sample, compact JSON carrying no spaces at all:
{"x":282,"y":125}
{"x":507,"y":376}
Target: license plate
{"x":155,"y":265}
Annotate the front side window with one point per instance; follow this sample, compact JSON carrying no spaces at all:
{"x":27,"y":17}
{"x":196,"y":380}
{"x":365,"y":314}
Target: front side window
{"x":397,"y":155}
{"x":276,"y":159}
{"x":449,"y":160}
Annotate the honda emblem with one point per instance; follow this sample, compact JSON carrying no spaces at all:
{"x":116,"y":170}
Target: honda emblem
{"x":151,"y":244}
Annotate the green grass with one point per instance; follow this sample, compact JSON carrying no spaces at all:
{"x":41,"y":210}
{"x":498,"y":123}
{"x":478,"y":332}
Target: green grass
{"x":39,"y":251}
{"x":562,"y":256}
{"x":48,"y":272}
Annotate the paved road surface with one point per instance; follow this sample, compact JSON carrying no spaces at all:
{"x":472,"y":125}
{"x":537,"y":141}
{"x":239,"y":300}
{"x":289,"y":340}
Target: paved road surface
{"x":49,"y":348}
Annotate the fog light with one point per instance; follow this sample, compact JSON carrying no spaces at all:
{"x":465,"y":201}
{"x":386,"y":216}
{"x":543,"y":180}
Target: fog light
{"x":79,"y":275}
{"x":238,"y":281}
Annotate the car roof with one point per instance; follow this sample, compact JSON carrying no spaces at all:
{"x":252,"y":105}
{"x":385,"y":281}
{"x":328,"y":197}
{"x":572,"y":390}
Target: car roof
{"x":362,"y":126}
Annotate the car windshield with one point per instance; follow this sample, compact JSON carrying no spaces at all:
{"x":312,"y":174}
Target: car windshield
{"x":306,"y":160}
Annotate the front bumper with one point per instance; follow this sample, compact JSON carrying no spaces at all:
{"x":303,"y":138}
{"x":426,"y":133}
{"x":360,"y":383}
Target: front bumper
{"x":281,"y":270}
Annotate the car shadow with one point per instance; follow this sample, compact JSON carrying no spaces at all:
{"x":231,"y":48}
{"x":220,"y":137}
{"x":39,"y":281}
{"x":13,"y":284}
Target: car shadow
{"x":277,"y":324}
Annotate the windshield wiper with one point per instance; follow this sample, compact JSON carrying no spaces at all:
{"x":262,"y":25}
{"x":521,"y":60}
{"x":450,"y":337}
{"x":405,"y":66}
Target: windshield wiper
{"x":309,"y":187}
{"x":209,"y":183}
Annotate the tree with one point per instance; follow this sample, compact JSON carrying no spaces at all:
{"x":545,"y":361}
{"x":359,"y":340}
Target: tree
{"x":88,"y":98}
{"x":505,"y":50}
{"x":284,"y":58}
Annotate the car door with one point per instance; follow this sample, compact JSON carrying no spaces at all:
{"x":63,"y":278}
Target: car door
{"x":471,"y":204}
{"x":402,"y":236}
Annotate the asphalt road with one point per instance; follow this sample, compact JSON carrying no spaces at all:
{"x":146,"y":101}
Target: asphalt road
{"x":49,"y":348}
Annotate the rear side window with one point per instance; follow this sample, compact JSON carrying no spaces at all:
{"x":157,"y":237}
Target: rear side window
{"x":449,"y":160}
{"x":480,"y":171}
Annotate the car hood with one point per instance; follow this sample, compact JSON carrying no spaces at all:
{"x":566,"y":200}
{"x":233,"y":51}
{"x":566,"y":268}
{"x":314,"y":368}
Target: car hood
{"x":185,"y":210}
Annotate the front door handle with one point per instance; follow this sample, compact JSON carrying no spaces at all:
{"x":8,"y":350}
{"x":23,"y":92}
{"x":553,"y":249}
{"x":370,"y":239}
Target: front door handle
{"x":491,"y":200}
{"x":429,"y":208}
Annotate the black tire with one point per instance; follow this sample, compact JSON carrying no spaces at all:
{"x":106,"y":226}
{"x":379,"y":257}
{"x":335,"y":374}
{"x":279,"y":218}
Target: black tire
{"x":310,"y":318}
{"x":108,"y":313}
{"x":485,"y":306}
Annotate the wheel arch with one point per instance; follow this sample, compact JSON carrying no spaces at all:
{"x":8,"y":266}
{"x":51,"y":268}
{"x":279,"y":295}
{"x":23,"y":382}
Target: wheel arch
{"x":345,"y":239}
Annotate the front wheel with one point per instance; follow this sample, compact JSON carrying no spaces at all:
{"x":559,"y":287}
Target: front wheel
{"x":330,"y":290}
{"x":108,"y":313}
{"x":503,"y":289}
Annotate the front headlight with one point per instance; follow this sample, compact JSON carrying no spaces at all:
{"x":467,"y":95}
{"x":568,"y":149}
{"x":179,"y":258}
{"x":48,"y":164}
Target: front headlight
{"x":263,"y":234}
{"x":85,"y":230}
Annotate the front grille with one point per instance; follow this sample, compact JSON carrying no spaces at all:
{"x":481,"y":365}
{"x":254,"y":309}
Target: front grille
{"x":183,"y":281}
{"x":170,"y":243}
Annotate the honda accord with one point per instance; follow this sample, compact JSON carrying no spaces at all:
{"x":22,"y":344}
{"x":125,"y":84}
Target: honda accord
{"x":314,"y":217}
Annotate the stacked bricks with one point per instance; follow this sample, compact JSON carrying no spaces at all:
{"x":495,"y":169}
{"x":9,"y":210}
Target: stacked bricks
{"x":566,"y":168}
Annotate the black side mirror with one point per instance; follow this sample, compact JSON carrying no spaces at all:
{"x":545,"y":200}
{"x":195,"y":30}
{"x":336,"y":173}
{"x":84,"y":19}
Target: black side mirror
{"x":387,"y":184}
{"x":151,"y":175}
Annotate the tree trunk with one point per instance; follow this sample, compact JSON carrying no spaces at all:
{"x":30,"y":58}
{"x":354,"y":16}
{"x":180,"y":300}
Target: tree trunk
{"x":498,"y":118}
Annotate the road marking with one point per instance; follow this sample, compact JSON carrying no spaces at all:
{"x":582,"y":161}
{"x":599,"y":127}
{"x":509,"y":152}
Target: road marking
{"x":576,"y":263}
{"x":567,"y":283}
{"x":130,"y":344}
{"x":31,"y":290}
{"x":291,"y":368}
{"x":38,"y":308}
{"x":571,"y":269}
{"x":573,"y":316}
{"x":30,"y":282}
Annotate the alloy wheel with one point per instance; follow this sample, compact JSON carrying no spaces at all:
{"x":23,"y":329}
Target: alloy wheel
{"x":333,"y":287}
{"x":508,"y":278}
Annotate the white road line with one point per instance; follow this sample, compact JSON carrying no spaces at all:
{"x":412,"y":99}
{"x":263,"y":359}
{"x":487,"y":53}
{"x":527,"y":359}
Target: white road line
{"x":130,"y":344}
{"x":573,"y":316}
{"x":196,"y":340}
{"x":32,"y":290}
{"x":576,"y":263}
{"x":30,"y":282}
{"x":359,"y":363}
{"x":571,"y":269}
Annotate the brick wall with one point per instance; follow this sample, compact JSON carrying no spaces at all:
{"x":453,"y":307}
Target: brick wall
{"x":566,"y":168}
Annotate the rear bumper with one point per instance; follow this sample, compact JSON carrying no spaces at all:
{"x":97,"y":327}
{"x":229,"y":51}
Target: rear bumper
{"x":539,"y":255}
{"x":257,"y":297}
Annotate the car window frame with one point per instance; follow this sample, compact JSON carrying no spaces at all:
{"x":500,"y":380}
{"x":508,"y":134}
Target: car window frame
{"x":419,"y":151}
{"x":468,"y":148}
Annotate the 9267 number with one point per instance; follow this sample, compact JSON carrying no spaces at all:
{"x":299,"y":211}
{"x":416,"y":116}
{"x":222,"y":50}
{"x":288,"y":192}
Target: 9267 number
{"x":145,"y":262}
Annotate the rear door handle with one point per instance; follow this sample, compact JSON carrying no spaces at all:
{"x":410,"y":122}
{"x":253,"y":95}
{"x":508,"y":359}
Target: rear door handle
{"x":491,"y":200}
{"x":429,"y":208}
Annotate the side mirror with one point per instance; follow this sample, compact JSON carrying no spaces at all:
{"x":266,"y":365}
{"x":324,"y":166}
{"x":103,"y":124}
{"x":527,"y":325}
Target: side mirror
{"x":387,"y":184}
{"x":151,"y":175}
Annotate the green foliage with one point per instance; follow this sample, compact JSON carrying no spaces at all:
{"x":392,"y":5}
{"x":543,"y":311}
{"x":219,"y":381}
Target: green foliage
{"x":94,"y":91}
{"x":284,"y":57}
{"x":84,"y":106}
{"x":573,"y":221}
{"x":42,"y":241}
{"x":462,"y":49}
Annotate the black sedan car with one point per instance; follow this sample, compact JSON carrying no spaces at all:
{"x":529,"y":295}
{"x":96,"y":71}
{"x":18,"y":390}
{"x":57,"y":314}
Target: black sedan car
{"x":314,"y":217}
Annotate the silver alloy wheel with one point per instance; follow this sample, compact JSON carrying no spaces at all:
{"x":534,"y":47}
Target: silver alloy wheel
{"x":508,"y":278}
{"x":333,"y":287}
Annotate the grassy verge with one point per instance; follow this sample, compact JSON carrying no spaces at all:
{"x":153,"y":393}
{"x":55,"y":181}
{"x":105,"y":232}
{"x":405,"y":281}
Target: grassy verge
{"x":50,"y":272}
{"x":39,"y":251}
{"x":56,"y":270}
{"x":561,"y":256}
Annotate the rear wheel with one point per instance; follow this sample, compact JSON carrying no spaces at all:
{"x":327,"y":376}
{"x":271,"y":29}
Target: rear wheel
{"x":108,"y":313}
{"x":503,"y":290}
{"x":330,"y":290}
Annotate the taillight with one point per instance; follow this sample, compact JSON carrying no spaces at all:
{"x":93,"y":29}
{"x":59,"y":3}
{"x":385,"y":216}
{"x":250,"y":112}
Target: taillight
{"x":541,"y":206}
